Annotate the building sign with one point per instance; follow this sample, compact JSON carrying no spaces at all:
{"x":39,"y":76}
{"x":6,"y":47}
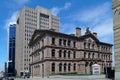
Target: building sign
{"x":95,"y":69}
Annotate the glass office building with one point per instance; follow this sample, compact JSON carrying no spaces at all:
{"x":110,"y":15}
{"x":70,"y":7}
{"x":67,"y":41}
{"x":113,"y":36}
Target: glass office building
{"x":11,"y":62}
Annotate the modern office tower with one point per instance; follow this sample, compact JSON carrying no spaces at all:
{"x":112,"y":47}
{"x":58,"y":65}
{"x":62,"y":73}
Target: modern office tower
{"x":27,"y":21}
{"x":59,"y":53}
{"x":12,"y":41}
{"x":116,"y":27}
{"x":5,"y":67}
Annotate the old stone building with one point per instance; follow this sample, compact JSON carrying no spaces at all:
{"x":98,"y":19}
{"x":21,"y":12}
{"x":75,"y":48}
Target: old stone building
{"x":59,"y":53}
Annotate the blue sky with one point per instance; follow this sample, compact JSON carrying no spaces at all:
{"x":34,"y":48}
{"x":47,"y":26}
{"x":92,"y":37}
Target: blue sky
{"x":95,"y":14}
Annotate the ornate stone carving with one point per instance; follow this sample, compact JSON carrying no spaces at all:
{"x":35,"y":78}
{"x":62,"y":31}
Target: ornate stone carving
{"x":117,"y":12}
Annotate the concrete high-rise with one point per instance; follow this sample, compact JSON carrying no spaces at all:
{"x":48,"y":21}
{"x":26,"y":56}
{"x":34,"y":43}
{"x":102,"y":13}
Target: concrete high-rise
{"x":116,"y":27}
{"x":27,"y":21}
{"x":12,"y":40}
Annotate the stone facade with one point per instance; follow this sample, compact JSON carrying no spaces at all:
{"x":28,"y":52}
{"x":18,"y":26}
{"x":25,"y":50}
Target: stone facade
{"x":116,"y":27}
{"x":58,"y":53}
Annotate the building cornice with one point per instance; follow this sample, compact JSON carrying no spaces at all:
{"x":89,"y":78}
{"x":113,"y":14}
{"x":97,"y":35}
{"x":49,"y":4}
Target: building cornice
{"x":68,"y":60}
{"x":116,"y":4}
{"x":42,"y":33}
{"x":68,"y":48}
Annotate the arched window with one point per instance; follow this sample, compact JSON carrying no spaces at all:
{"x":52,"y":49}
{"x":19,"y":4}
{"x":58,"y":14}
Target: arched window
{"x":88,"y":55}
{"x":93,"y":55}
{"x":60,"y":67}
{"x":93,"y":46}
{"x":69,"y":43}
{"x":53,"y":53}
{"x":53,"y":41}
{"x":74,"y":67}
{"x":74,"y":44}
{"x":69,"y":68}
{"x":84,"y":54}
{"x":42,"y":42}
{"x":65,"y":67}
{"x":60,"y":42}
{"x":60,"y":53}
{"x":88,"y":45}
{"x":74,"y":54}
{"x":84,"y":45}
{"x":68,"y":54}
{"x":98,"y":55}
{"x":109,"y":57}
{"x":98,"y":47}
{"x":64,"y":42}
{"x":64,"y":53}
{"x":86,"y":64}
{"x":53,"y":67}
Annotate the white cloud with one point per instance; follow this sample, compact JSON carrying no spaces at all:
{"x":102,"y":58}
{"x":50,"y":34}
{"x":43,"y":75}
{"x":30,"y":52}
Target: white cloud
{"x":11,"y":20}
{"x":95,"y":14}
{"x":104,"y":28}
{"x":67,"y":5}
{"x":56,"y":10}
{"x":99,"y":19}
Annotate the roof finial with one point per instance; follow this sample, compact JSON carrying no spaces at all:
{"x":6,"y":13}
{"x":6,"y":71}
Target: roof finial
{"x":87,"y":31}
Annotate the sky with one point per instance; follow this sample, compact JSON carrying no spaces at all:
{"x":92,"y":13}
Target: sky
{"x":95,"y":14}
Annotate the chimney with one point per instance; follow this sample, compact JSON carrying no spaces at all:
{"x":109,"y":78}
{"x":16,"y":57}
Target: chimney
{"x":95,"y":34}
{"x":78,"y":31}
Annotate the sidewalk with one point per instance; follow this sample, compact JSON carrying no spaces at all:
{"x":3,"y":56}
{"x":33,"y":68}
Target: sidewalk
{"x":59,"y":77}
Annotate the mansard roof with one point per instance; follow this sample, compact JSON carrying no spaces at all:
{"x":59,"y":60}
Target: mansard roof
{"x":41,"y":33}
